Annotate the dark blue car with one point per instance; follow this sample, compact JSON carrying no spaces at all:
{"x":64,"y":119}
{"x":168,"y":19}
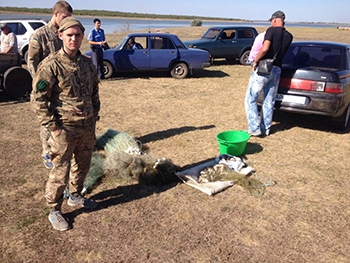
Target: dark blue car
{"x":154,"y":51}
{"x":315,"y":79}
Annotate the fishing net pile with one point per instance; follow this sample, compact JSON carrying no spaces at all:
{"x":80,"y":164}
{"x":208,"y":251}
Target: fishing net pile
{"x":119,"y":155}
{"x":226,"y":170}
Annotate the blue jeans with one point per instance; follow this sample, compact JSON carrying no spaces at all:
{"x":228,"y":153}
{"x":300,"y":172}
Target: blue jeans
{"x":268,"y":84}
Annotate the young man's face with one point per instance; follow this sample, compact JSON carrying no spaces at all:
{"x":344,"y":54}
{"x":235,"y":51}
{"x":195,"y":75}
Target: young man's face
{"x":72,"y":39}
{"x":97,"y":25}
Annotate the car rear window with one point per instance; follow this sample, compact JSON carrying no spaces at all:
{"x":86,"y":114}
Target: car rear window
{"x":36,"y":25}
{"x":162,"y":43}
{"x":313,"y":56}
{"x":17,"y":28}
{"x":245,"y":33}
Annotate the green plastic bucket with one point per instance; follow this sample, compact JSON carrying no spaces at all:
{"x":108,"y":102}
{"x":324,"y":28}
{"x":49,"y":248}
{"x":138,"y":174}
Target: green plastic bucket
{"x":232,"y":142}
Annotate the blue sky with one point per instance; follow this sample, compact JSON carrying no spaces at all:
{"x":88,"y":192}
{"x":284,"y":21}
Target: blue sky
{"x":295,"y":10}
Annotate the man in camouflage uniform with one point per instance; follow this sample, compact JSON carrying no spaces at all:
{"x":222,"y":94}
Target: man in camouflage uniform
{"x":43,"y":42}
{"x":66,"y":101}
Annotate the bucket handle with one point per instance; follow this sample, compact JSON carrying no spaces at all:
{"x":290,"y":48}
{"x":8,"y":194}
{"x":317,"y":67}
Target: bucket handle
{"x":224,"y":143}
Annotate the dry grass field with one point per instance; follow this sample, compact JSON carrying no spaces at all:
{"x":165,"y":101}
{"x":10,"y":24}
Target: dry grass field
{"x":304,"y":217}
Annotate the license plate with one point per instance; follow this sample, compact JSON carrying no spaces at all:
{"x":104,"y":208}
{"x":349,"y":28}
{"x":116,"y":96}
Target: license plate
{"x":291,"y":99}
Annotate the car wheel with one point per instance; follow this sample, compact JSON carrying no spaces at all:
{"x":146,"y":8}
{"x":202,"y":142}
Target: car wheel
{"x":179,"y":71}
{"x":211,"y":60}
{"x":244,"y":58}
{"x":25,"y":56}
{"x":107,"y":69}
{"x":17,"y":82}
{"x":343,"y":121}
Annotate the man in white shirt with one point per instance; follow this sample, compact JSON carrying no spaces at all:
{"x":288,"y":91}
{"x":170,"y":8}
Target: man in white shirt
{"x":8,"y":40}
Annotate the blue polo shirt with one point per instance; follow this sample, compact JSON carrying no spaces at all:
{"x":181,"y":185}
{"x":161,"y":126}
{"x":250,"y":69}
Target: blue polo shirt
{"x":96,"y":36}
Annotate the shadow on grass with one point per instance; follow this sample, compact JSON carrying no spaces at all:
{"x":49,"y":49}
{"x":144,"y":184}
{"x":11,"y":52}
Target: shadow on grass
{"x":160,"y":135}
{"x":209,"y":74}
{"x":120,"y":195}
{"x":288,"y":120}
{"x":164,"y":74}
{"x":224,"y":62}
{"x":6,"y":100}
{"x":252,"y":148}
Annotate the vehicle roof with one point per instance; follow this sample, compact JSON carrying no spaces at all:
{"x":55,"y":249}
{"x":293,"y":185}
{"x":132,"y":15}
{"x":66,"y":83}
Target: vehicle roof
{"x":321,"y":43}
{"x":24,"y":19}
{"x":150,"y":34}
{"x":231,"y":27}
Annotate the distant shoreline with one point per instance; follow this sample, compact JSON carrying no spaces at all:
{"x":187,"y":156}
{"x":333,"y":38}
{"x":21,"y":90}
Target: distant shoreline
{"x":180,"y":19}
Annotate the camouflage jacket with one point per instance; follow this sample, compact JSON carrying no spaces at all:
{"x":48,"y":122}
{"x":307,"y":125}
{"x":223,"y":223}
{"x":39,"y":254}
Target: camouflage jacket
{"x":65,"y":91}
{"x":43,"y":42}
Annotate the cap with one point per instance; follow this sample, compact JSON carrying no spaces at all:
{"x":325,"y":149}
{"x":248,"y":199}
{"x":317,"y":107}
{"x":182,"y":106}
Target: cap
{"x":278,"y":14}
{"x":69,"y":22}
{"x":2,"y":25}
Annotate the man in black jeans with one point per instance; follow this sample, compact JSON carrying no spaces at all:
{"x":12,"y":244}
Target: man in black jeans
{"x":97,"y":40}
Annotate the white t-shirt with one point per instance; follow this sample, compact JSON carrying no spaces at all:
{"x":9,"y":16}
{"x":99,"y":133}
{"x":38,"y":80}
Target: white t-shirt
{"x":9,"y":40}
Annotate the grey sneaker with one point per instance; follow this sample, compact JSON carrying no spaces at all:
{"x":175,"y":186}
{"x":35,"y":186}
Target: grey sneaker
{"x":255,"y":133}
{"x":81,"y":201}
{"x":58,"y":221}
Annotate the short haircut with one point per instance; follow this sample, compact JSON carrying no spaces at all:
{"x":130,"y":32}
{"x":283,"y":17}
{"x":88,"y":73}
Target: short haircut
{"x":62,"y":7}
{"x":97,"y":20}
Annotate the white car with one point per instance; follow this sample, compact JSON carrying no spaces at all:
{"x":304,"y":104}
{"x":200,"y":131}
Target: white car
{"x":23,"y":28}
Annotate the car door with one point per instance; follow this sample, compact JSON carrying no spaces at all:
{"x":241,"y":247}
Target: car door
{"x":133,"y":59}
{"x":226,"y":44}
{"x":244,"y":39}
{"x":163,"y":51}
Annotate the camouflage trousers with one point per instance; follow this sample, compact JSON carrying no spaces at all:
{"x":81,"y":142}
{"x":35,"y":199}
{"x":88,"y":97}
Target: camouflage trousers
{"x":44,"y":137}
{"x":71,"y":152}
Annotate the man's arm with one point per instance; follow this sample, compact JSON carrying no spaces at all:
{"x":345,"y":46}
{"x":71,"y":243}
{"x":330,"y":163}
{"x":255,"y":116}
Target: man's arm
{"x":34,"y":54}
{"x":42,"y":89}
{"x":262,"y":53}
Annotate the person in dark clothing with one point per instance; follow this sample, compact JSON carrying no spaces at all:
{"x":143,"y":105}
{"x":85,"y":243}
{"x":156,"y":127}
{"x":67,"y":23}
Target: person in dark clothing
{"x":277,"y":40}
{"x":97,"y":41}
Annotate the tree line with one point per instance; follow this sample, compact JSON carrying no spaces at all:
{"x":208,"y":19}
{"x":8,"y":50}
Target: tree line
{"x":105,"y":13}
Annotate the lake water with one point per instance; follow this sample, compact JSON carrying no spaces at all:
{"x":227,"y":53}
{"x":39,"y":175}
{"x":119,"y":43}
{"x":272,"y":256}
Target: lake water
{"x":111,"y":25}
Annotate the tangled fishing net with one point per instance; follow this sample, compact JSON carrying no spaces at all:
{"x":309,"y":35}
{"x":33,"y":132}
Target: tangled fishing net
{"x":95,"y":172}
{"x":145,"y":169}
{"x":122,"y":157}
{"x":222,"y":172}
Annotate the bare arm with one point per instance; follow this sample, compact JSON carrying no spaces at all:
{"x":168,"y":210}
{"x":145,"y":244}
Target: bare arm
{"x":262,"y":53}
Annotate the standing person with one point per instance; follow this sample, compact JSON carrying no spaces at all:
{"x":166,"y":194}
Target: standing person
{"x":8,"y":40}
{"x":277,"y":39}
{"x":43,"y":42}
{"x":97,"y":40}
{"x":257,"y":45}
{"x":66,"y":101}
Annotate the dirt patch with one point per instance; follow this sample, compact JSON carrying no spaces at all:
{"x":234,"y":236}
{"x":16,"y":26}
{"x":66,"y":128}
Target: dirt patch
{"x":303,"y":218}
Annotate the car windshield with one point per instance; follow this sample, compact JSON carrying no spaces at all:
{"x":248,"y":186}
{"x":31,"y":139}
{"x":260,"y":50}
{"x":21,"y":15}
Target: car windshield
{"x":211,"y":33}
{"x":122,"y":43}
{"x":313,"y":56}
